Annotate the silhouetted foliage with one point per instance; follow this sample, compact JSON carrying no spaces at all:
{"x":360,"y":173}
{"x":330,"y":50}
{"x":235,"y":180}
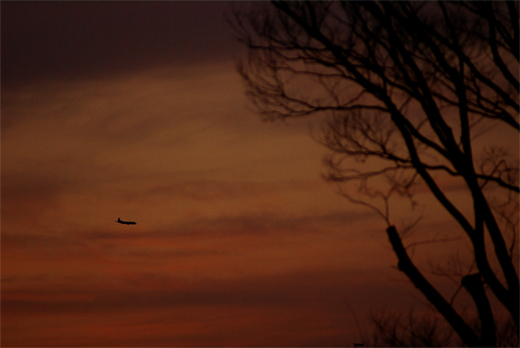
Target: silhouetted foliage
{"x":410,"y":330}
{"x":415,"y":329}
{"x":413,"y":85}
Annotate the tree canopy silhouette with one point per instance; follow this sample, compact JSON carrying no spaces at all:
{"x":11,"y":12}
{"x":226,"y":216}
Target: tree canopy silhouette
{"x":412,"y":84}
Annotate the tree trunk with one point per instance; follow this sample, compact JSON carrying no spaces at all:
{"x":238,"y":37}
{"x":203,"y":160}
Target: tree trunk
{"x":406,"y":265}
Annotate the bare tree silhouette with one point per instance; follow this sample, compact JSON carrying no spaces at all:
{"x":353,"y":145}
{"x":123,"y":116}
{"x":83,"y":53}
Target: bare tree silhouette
{"x":409,"y":330}
{"x":413,"y":85}
{"x":416,"y":329}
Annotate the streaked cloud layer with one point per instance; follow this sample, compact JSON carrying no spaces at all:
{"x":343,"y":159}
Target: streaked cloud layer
{"x":141,"y":115}
{"x":237,"y":234}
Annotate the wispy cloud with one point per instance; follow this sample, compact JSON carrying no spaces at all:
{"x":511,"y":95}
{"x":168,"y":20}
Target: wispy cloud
{"x":238,"y":240}
{"x":300,"y":301}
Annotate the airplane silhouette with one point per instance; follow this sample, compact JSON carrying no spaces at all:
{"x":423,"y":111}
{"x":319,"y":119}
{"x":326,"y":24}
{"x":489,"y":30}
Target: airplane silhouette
{"x":125,"y":222}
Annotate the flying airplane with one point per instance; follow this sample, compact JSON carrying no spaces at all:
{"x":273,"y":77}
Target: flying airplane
{"x":125,"y":222}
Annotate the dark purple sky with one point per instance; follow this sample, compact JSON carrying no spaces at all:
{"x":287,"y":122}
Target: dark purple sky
{"x":78,"y":39}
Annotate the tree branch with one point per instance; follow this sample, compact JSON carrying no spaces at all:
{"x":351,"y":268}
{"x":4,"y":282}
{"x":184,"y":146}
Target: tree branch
{"x":407,"y":267}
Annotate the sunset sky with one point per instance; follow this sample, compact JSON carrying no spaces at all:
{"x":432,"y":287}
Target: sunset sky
{"x":135,"y":110}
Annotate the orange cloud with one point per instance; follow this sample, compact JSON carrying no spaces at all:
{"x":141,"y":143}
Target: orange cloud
{"x":238,"y":240}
